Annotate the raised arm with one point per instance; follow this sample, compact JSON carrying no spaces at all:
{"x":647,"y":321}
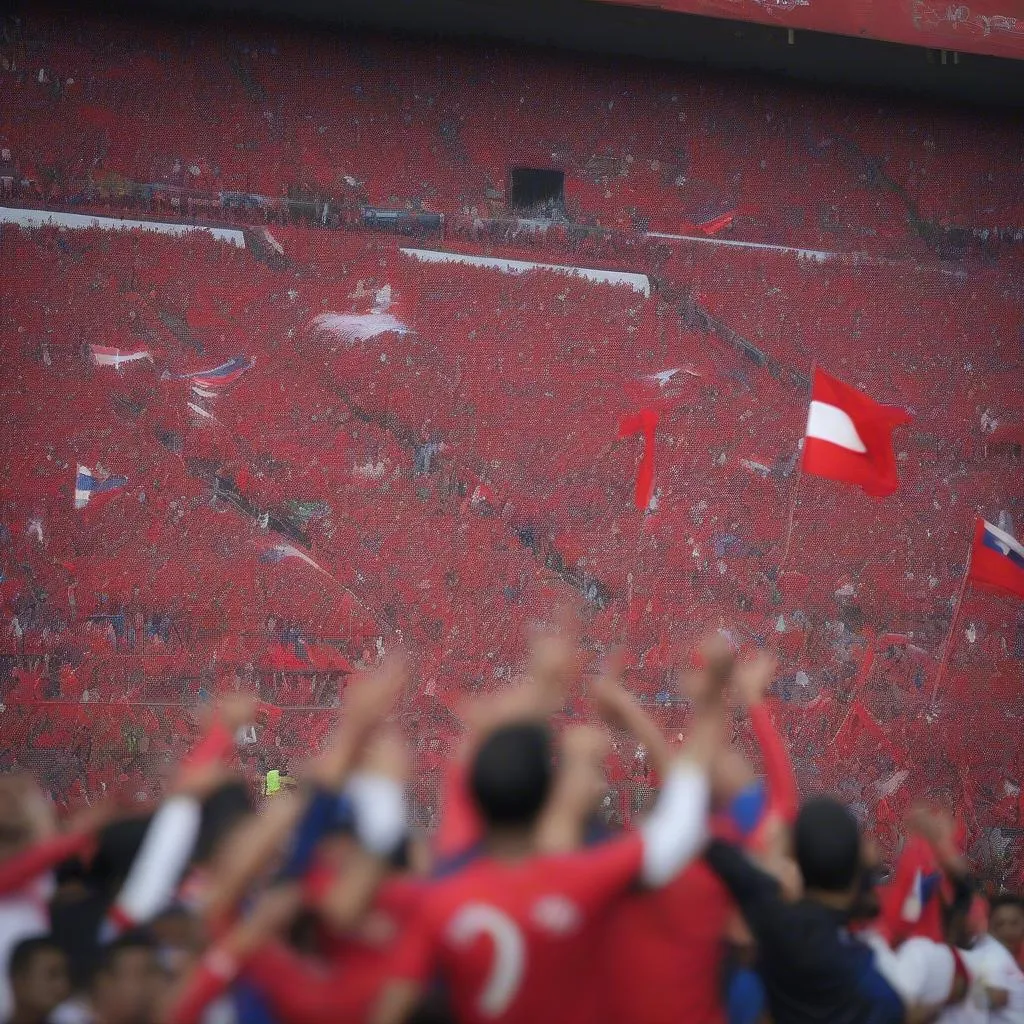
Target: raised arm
{"x":368,"y":701}
{"x":552,"y":666}
{"x":753,"y":678}
{"x":676,"y":829}
{"x":620,"y":710}
{"x":172,"y":834}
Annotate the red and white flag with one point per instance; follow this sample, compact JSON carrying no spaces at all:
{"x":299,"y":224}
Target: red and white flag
{"x":849,"y":437}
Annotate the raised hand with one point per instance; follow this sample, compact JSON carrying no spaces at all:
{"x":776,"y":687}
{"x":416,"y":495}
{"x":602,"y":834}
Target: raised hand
{"x":371,"y":696}
{"x":369,"y":700}
{"x":90,"y":820}
{"x":387,"y":755}
{"x":553,"y":664}
{"x":753,"y":678}
{"x":237,"y":708}
{"x":614,"y":703}
{"x":554,"y":655}
{"x":932,"y":823}
{"x":707,"y":684}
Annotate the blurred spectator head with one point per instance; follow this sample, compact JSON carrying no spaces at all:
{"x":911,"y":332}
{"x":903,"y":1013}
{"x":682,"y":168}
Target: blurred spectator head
{"x":223,"y":811}
{"x":38,"y":971}
{"x":72,"y":880}
{"x":128,"y":980}
{"x":177,"y":935}
{"x":828,"y":847}
{"x":1006,"y":920}
{"x":511,"y":775}
{"x":118,"y":845}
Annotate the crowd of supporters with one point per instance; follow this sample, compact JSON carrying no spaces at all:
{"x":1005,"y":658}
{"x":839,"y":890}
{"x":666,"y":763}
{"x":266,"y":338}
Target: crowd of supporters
{"x":728,"y":899}
{"x":452,"y":478}
{"x":118,"y":618}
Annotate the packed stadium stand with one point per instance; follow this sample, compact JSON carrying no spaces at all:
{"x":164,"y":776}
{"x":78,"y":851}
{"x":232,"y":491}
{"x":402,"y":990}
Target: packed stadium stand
{"x":326,"y":442}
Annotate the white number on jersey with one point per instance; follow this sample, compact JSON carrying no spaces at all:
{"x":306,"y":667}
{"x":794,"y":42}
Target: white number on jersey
{"x":506,"y":975}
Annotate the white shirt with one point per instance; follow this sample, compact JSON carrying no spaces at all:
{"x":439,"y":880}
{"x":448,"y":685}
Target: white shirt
{"x":23,"y":915}
{"x":992,"y":966}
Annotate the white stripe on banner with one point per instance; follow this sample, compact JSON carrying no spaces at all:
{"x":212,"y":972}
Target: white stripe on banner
{"x":638,"y":282}
{"x":830,"y":423}
{"x":1006,"y":539}
{"x":80,"y":221}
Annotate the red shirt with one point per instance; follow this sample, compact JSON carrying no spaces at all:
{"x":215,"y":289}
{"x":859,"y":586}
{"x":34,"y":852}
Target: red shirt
{"x":662,"y":952}
{"x":345,"y":984}
{"x":518,"y":942}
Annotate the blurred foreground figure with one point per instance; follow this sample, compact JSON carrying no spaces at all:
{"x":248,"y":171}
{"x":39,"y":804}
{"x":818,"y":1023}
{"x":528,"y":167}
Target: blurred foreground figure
{"x":323,"y":906}
{"x":38,"y":973}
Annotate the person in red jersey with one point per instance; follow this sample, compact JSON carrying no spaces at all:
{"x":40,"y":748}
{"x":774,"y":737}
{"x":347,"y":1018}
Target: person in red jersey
{"x":343,"y":896}
{"x":515,"y":936}
{"x":663,"y":950}
{"x":553,"y":661}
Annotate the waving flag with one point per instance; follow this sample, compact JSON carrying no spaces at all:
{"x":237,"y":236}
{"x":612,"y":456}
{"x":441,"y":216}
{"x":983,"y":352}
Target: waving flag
{"x":210,"y":383}
{"x":712,"y":227}
{"x":352,"y":327}
{"x":997,"y":559}
{"x":665,"y":377}
{"x":849,"y":437}
{"x":645,"y":422}
{"x":103,"y":355}
{"x":275,"y":555}
{"x":87,"y":484}
{"x":911,"y":904}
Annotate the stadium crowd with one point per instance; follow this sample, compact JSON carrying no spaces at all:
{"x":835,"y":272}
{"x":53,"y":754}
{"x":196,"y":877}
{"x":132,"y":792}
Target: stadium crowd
{"x":729,"y":899}
{"x":444,"y":481}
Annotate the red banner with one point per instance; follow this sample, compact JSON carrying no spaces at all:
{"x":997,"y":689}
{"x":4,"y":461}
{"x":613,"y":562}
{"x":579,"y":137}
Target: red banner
{"x":993,"y":27}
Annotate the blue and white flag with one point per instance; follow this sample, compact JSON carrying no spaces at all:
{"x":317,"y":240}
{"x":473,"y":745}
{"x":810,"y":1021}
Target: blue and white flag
{"x":87,"y":484}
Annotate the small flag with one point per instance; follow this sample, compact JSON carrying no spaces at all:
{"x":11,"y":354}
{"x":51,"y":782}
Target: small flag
{"x":645,"y":422}
{"x":353,"y":327}
{"x":997,"y":559}
{"x":849,"y":437}
{"x":275,"y":555}
{"x":204,"y":413}
{"x":103,"y":355}
{"x":910,"y":903}
{"x":665,"y":377}
{"x":210,"y":383}
{"x":712,"y":227}
{"x":87,"y":484}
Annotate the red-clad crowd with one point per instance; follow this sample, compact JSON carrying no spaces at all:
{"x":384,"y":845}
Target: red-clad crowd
{"x":251,"y":463}
{"x":728,"y":899}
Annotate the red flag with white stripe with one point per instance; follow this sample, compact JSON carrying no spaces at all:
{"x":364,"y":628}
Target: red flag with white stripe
{"x":849,"y":437}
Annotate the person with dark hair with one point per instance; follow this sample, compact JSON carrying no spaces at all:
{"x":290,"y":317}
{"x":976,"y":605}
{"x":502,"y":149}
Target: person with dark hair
{"x":38,"y":973}
{"x":1006,"y":923}
{"x":813,"y":966}
{"x":128,"y":981}
{"x":998,"y":979}
{"x":515,"y":935}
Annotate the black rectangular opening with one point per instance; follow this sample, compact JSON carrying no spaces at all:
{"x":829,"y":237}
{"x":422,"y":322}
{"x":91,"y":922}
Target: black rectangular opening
{"x":535,"y":192}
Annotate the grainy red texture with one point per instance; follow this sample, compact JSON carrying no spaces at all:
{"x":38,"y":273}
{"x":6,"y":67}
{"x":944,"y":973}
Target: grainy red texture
{"x":448,"y":485}
{"x":992,"y":27}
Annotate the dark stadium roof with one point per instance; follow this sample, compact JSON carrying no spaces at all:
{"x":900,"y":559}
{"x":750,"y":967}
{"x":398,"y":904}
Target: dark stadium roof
{"x":633,"y":31}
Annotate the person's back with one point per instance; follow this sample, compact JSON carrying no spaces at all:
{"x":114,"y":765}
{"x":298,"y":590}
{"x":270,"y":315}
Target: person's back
{"x":830,"y":979}
{"x":519,"y":941}
{"x":516,"y":937}
{"x":662,"y":952}
{"x":814,"y":969}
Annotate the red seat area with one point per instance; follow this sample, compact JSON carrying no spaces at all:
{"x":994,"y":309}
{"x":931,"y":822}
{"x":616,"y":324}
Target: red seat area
{"x":447,"y":482}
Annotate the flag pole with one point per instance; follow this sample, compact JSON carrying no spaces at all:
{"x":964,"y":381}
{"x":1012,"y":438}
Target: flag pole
{"x":796,"y":490}
{"x":792,"y":512}
{"x":948,"y":645}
